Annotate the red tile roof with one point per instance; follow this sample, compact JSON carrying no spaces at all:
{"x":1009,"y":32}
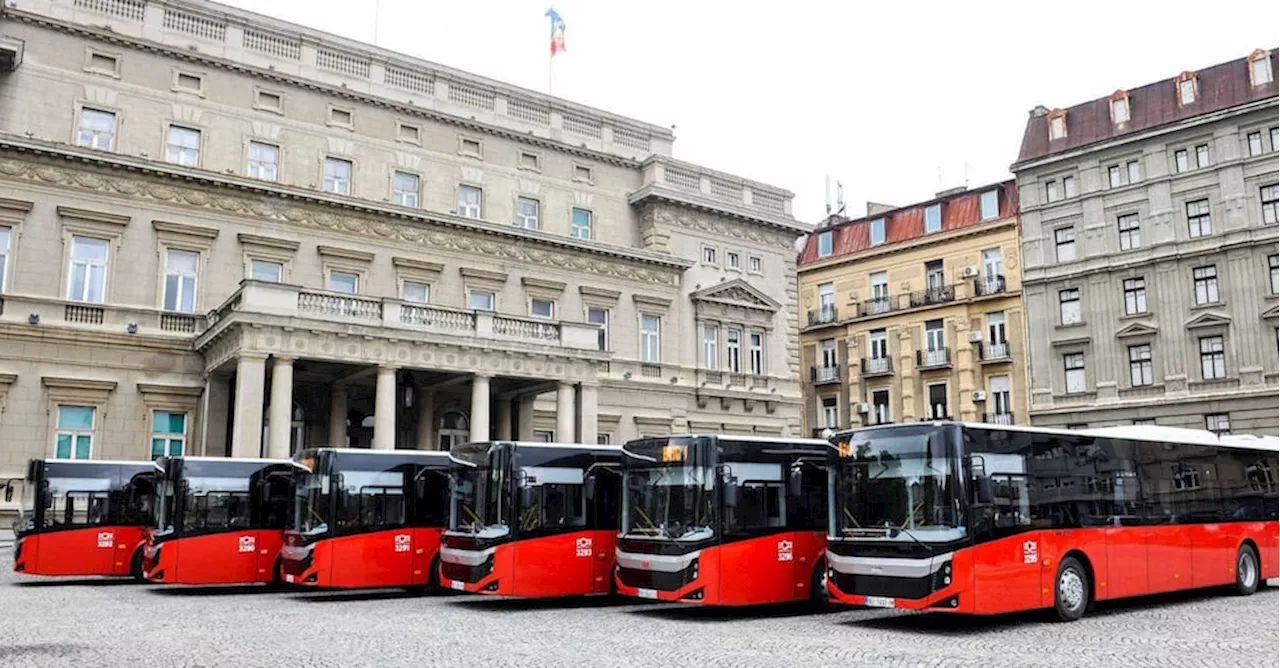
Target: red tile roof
{"x":1220,"y":87}
{"x":960,"y":210}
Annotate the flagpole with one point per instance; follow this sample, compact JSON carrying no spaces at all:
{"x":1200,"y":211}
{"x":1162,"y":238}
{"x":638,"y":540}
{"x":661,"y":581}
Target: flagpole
{"x":551,"y":63}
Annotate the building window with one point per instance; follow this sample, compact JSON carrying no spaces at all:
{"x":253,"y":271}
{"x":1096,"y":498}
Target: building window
{"x":344,"y":281}
{"x":732,"y":260}
{"x":602,"y":439}
{"x":1130,"y":234}
{"x":875,"y":232}
{"x":1057,"y":126}
{"x":530,"y":161}
{"x":1134,"y":171}
{"x":878,"y":346}
{"x":1135,"y":296}
{"x":74,"y":437}
{"x":582,"y":173}
{"x":1272,"y":260}
{"x":880,"y":407}
{"x":1069,"y":306}
{"x":480,"y":300}
{"x":581,"y":227}
{"x":1180,"y":160}
{"x":989,"y":205}
{"x":1001,"y":397}
{"x":831,"y":412}
{"x":733,"y":349}
{"x":824,"y":244}
{"x":1202,"y":156}
{"x":471,"y":147}
{"x":264,"y":161}
{"x":709,"y":255}
{"x":650,"y":339}
{"x":935,"y":341}
{"x":1120,"y":110}
{"x":828,"y":354}
{"x":1064,"y":239}
{"x":414,"y":291}
{"x":97,"y":129}
{"x":1140,"y":372}
{"x":342,"y":117}
{"x":168,"y":433}
{"x":1260,"y":68}
{"x":266,"y":271}
{"x":542,"y":308}
{"x":88,"y":280}
{"x":1213,"y":358}
{"x":102,"y":63}
{"x":1218,"y":423}
{"x":470,"y":202}
{"x":1255,"y":143}
{"x":184,"y":146}
{"x":405,"y":189}
{"x":268,"y":100}
{"x":935,"y":279}
{"x":600,"y":316}
{"x":1269,"y":195}
{"x":755,"y":265}
{"x":1068,"y":186}
{"x":937,"y":408}
{"x":1187,"y":91}
{"x":1073,"y":366}
{"x":1052,"y":193}
{"x":827,"y":302}
{"x":191,"y":83}
{"x":932,"y":219}
{"x":1123,"y":175}
{"x":5,"y":234}
{"x":995,"y":331}
{"x":711,"y":347}
{"x":408,"y":133}
{"x":755,"y":342}
{"x":1275,"y":139}
{"x":180,"y":270}
{"x":337,"y":176}
{"x":527,"y":213}
{"x":1199,"y":223}
{"x":1206,"y":284}
{"x":879,"y":292}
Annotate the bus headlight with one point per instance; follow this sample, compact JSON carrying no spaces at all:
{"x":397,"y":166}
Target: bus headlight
{"x":693,"y":570}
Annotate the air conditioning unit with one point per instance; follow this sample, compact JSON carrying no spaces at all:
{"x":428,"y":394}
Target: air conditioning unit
{"x":863,"y":409}
{"x":969,"y":272}
{"x":975,"y":337}
{"x":979,"y":395}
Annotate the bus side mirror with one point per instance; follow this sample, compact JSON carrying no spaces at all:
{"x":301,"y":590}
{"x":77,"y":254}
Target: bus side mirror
{"x":794,"y":483}
{"x":589,"y":487}
{"x":730,"y":495}
{"x":46,"y":499}
{"x":526,"y":497}
{"x":982,"y":490}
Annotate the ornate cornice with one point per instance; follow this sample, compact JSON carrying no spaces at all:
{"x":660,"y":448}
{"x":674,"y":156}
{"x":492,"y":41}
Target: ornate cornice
{"x":709,"y":221}
{"x":319,"y":212}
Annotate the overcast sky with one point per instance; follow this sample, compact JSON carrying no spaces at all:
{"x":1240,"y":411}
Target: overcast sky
{"x":882,"y":96}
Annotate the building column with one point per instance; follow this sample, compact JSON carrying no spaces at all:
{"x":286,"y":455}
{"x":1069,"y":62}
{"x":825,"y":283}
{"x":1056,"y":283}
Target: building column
{"x":280,"y":413}
{"x":479,"y":408}
{"x":213,"y":415}
{"x":246,"y":430}
{"x":338,"y":409}
{"x":565,"y":414}
{"x":384,"y":409}
{"x":524,"y":417}
{"x":426,"y":420}
{"x":504,"y":419}
{"x":588,"y":414}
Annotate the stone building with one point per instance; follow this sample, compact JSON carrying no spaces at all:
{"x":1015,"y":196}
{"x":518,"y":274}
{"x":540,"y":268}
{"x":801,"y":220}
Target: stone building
{"x":1149,"y":245}
{"x":915,"y":313}
{"x":225,"y":234}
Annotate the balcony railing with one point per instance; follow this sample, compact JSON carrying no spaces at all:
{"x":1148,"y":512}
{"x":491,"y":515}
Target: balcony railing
{"x":936,"y":295}
{"x":993,"y":352}
{"x":823,"y":315}
{"x":927,"y":359}
{"x":877,"y":366}
{"x":107,"y":317}
{"x":983,"y":287}
{"x":997,"y":418}
{"x":824,"y":374}
{"x":877,"y":306}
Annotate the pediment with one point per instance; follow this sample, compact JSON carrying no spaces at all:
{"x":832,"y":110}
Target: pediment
{"x":1271,"y":313}
{"x":1205,"y":320}
{"x":1136,"y":329}
{"x":737,"y":292}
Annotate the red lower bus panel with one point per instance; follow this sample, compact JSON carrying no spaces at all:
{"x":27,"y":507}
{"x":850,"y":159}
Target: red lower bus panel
{"x":573,"y":564}
{"x":389,"y":558}
{"x":757,"y":571}
{"x":242,"y":557}
{"x":101,"y":550}
{"x":1017,"y":573}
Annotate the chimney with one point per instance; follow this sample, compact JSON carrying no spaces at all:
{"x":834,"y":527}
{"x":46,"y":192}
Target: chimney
{"x":1040,"y":110}
{"x":875,"y":209}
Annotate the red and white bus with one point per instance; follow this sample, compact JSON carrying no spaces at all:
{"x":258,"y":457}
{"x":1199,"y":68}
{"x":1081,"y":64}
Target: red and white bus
{"x":84,"y":517}
{"x":531,"y":520}
{"x":987,"y":519}
{"x":723,"y":520}
{"x":219,"y":520}
{"x":366,"y":518}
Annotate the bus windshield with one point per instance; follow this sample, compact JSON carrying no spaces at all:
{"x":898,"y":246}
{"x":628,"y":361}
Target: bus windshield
{"x":310,"y":503}
{"x":480,"y":502}
{"x":897,"y":484}
{"x":27,"y":513}
{"x":165,"y":501}
{"x":675,"y":502}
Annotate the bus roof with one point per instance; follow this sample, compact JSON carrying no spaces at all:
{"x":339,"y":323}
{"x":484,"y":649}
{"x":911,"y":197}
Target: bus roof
{"x":1158,"y":433}
{"x":369,"y":451}
{"x":544,"y":444}
{"x":116,"y":462}
{"x":746,"y":438}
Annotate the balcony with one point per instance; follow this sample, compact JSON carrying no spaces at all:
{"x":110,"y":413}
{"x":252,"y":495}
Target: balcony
{"x":877,"y":366}
{"x":106,"y":318}
{"x":998,"y":418}
{"x":939,"y":358}
{"x":935,"y":295}
{"x":985,"y":287}
{"x":878,"y":306}
{"x":824,"y":315}
{"x":993,"y":352}
{"x":824,"y":374}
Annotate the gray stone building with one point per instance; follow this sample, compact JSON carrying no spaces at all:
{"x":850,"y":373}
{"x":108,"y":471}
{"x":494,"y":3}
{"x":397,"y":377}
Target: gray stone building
{"x":1149,"y":252}
{"x":225,"y":234}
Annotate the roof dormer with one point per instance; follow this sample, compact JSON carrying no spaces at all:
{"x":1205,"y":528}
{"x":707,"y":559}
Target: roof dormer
{"x":1057,"y":124}
{"x":1188,"y":88}
{"x":1260,"y":68}
{"x":1120,"y":107}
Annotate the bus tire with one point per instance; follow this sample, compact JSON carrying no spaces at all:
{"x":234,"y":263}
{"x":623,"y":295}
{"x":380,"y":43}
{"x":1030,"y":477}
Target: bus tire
{"x":135,"y":566}
{"x":433,"y":578}
{"x":818,"y":586}
{"x":1247,"y":571}
{"x":1071,"y":590}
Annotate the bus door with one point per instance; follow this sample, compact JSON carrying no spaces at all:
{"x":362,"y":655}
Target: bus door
{"x":556,"y":550}
{"x":83,"y":507}
{"x":807,"y":519}
{"x":604,"y":498}
{"x":1007,"y":573}
{"x":431,"y":515}
{"x":274,"y":498}
{"x":756,"y":535}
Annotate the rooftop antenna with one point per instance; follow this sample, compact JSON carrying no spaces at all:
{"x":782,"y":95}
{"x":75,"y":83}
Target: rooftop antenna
{"x":839,"y":199}
{"x":940,"y":186}
{"x":828,"y":195}
{"x":966,"y":174}
{"x":376,"y":15}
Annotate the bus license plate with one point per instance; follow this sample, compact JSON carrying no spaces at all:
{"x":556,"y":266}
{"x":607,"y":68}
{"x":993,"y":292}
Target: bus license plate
{"x":647,"y":593}
{"x":457,"y":584}
{"x":879,"y":602}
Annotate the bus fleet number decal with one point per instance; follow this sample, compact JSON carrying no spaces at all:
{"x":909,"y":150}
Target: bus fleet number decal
{"x":583,"y":547}
{"x":402,"y":542}
{"x":784,"y":550}
{"x":106,"y":539}
{"x":1030,"y":552}
{"x":247,"y":543}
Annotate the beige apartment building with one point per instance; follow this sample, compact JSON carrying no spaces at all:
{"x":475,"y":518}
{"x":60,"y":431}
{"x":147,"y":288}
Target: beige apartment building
{"x":224,"y":234}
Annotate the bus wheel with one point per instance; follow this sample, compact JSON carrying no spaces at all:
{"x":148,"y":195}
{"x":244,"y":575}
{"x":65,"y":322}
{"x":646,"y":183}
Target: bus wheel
{"x":818,"y":586}
{"x":1246,"y":570}
{"x":433,"y":578}
{"x":1071,"y":590}
{"x":135,"y":566}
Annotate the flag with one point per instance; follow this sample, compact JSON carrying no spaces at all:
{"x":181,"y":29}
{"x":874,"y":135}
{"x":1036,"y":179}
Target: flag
{"x":557,"y":32}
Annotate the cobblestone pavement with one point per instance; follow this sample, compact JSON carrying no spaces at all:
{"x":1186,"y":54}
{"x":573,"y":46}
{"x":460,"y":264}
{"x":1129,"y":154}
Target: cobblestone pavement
{"x":49,"y":623}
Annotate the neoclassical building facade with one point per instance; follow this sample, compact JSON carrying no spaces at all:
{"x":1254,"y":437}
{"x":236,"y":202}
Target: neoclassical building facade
{"x":223,"y":234}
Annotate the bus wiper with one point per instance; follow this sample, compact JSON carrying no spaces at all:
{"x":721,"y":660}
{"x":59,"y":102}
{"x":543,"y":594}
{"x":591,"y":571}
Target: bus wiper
{"x":894,"y":532}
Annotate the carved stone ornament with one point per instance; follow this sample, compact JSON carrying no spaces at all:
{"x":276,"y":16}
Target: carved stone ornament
{"x":675,"y":216}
